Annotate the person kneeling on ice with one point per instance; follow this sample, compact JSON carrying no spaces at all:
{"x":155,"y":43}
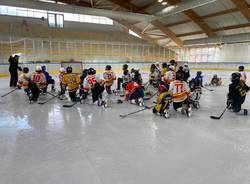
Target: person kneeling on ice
{"x":126,"y":77}
{"x":62,"y":72}
{"x":243,"y":77}
{"x":30,"y":88}
{"x":49,"y":79}
{"x":199,"y":78}
{"x":137,"y":76}
{"x":237,"y":94}
{"x":163,"y":103}
{"x":216,"y":81}
{"x":134,"y":93}
{"x":169,"y":76}
{"x":39,"y":79}
{"x":71,"y":81}
{"x":109,"y":77}
{"x":180,"y":91}
{"x":154,"y":76}
{"x":93,"y":83}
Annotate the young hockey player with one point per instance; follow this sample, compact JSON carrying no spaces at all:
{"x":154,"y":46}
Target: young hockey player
{"x":83,"y":94}
{"x":169,"y":76}
{"x":126,"y":77}
{"x":163,"y":103}
{"x":154,"y":76}
{"x":48,"y":78}
{"x":199,"y":78}
{"x":237,"y":93}
{"x":137,"y":76}
{"x":39,"y":78}
{"x":62,"y":72}
{"x":93,"y":83}
{"x":216,"y":81}
{"x":243,"y":77}
{"x":164,"y":69}
{"x":134,"y":92}
{"x":186,"y":72}
{"x":109,"y":78}
{"x":180,"y":91}
{"x":71,"y":81}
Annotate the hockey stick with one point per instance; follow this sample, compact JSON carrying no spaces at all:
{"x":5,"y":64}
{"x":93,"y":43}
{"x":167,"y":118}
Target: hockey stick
{"x":41,"y":103}
{"x":207,"y":88}
{"x":148,"y":98}
{"x":219,"y":117}
{"x":145,"y":108}
{"x":70,"y":105}
{"x":9,"y":92}
{"x":58,"y":96}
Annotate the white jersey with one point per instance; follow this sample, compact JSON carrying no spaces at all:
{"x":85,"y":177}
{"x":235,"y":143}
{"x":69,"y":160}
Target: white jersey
{"x":243,"y":76}
{"x":169,"y":77}
{"x":89,"y":82}
{"x":24,"y":80}
{"x":180,"y":90}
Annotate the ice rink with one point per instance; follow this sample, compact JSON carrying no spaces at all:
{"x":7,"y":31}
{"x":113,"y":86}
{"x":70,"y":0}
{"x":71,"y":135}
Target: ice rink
{"x":86,"y":144}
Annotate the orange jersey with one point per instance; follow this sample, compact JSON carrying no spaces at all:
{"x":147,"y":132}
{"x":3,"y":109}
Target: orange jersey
{"x":71,"y":81}
{"x":40,"y":79}
{"x":109,"y":78}
{"x":24,"y":80}
{"x":180,"y":90}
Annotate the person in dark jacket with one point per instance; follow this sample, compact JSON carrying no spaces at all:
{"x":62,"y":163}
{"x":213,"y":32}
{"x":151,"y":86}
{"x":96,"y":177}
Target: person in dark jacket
{"x":13,"y":67}
{"x":237,"y":93}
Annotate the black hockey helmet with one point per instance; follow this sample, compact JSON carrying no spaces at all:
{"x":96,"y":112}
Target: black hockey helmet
{"x":125,"y":67}
{"x":69,"y":69}
{"x":199,"y":73}
{"x":235,"y":77}
{"x":108,"y":67}
{"x":164,"y":65}
{"x":85,"y":71}
{"x":25,"y":70}
{"x":91,"y":71}
{"x":172,"y":62}
{"x":179,"y":76}
{"x":43,"y":68}
{"x":180,"y":68}
{"x":241,"y":68}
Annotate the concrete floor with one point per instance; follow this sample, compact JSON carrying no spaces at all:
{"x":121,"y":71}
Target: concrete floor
{"x":49,"y":144}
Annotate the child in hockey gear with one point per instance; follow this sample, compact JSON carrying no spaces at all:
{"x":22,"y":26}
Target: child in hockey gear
{"x":173,"y":63}
{"x":154,"y":76}
{"x":62,"y":72}
{"x":109,"y":78}
{"x":186,"y":72}
{"x":137,"y":76}
{"x":164,"y":69}
{"x":243,"y":77}
{"x":93,"y":83}
{"x":71,"y":82}
{"x":49,"y":79}
{"x":134,"y":93}
{"x":199,"y":78}
{"x":83,"y":94}
{"x":237,"y":93}
{"x":162,"y":87}
{"x":39,"y":78}
{"x":126,"y":77}
{"x":180,"y":91}
{"x":216,"y":81}
{"x":169,"y":76}
{"x":163,"y":103}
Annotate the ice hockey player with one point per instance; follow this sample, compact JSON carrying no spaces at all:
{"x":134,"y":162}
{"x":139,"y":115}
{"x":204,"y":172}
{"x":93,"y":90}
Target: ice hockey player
{"x":70,"y":82}
{"x":216,"y":81}
{"x":30,"y":88}
{"x":137,"y":76}
{"x":49,"y":79}
{"x":93,"y":83}
{"x":180,"y":91}
{"x":169,"y":76}
{"x":134,"y":92}
{"x":237,"y":93}
{"x":62,"y":72}
{"x":199,"y":78}
{"x":164,"y":69}
{"x":186,"y":72}
{"x":126,"y":77}
{"x":173,"y":63}
{"x":39,"y":79}
{"x":109,"y":78}
{"x":243,"y":77}
{"x":163,"y":102}
{"x":154,"y":76}
{"x":83,"y":94}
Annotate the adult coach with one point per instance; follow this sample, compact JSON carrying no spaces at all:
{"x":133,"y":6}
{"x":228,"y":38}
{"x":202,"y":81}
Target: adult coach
{"x":13,"y":62}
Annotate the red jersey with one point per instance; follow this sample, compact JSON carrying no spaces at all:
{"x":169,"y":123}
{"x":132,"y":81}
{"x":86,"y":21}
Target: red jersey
{"x":130,"y":87}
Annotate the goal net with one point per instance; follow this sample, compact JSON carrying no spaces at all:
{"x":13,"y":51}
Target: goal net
{"x":76,"y":66}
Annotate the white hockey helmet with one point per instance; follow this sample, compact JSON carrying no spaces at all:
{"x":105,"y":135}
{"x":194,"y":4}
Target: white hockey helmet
{"x":38,"y":68}
{"x":136,"y":69}
{"x":171,"y":67}
{"x":62,"y":70}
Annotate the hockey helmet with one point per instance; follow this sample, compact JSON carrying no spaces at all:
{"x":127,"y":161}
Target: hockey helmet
{"x":43,"y":68}
{"x":172,"y":62}
{"x":164,"y":65}
{"x":25,"y":70}
{"x":125,"y":67}
{"x":108,"y":67}
{"x":38,"y":68}
{"x":179,"y":76}
{"x":241,"y":68}
{"x":69,"y":69}
{"x":62,"y":70}
{"x":91,"y":71}
{"x":199,"y":73}
{"x":171,"y":67}
{"x":235,"y":77}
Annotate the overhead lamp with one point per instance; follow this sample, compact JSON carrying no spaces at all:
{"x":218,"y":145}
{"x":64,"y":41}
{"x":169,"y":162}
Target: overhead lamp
{"x":160,"y":1}
{"x":164,"y":3}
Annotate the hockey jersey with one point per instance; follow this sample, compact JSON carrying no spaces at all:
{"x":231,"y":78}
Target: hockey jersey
{"x":130,"y":87}
{"x":71,"y":81}
{"x":89,"y":82}
{"x":180,"y":90}
{"x":40,"y":79}
{"x":243,"y":77}
{"x":109,"y":78}
{"x":24,"y":80}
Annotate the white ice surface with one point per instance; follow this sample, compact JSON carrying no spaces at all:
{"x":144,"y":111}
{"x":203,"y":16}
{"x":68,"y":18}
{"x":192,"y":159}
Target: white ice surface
{"x":48,"y":144}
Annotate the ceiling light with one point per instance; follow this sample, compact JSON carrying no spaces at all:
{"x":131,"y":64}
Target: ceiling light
{"x":164,"y":3}
{"x":160,"y":1}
